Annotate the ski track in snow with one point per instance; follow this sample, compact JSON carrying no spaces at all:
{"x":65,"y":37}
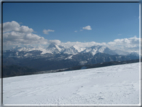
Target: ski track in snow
{"x":107,"y":85}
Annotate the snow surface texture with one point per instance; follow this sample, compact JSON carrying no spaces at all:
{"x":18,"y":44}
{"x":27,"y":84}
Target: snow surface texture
{"x":107,"y":85}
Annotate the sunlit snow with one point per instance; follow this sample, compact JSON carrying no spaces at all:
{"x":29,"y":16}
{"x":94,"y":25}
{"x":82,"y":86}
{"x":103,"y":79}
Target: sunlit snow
{"x":117,"y":84}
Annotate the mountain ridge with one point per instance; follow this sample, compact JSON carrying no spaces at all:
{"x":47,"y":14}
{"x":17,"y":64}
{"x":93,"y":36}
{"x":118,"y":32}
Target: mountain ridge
{"x":73,"y":50}
{"x":56,"y":57}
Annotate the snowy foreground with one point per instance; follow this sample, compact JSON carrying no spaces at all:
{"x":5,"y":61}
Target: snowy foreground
{"x":107,"y":85}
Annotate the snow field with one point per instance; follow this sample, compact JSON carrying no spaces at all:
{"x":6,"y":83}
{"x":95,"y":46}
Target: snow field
{"x":106,"y":85}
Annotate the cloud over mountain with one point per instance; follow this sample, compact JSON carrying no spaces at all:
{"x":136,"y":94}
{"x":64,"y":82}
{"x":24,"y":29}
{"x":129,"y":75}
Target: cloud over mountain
{"x":126,"y":44}
{"x":16,"y":34}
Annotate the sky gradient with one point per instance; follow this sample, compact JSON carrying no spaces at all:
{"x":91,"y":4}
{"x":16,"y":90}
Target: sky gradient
{"x":108,"y":21}
{"x":83,"y":24}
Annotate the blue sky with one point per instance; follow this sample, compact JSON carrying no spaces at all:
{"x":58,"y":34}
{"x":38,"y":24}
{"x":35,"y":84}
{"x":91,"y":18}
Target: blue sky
{"x":108,"y":21}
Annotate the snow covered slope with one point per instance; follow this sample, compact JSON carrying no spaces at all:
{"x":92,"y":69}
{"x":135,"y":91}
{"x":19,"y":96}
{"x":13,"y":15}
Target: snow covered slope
{"x":107,"y":85}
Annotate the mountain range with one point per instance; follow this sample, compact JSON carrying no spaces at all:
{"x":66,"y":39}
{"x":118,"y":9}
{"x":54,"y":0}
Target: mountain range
{"x":73,"y":50}
{"x":57,"y":57}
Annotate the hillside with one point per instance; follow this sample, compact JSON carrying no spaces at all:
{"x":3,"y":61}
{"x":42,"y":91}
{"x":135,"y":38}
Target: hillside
{"x":117,"y":84}
{"x":14,"y":70}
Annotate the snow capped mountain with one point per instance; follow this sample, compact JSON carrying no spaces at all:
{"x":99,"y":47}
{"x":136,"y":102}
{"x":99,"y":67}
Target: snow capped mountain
{"x":73,"y":50}
{"x":59,"y":57}
{"x":120,"y":52}
{"x":53,"y":48}
{"x":79,"y":49}
{"x":134,"y":54}
{"x":99,"y":49}
{"x":94,"y":49}
{"x":76,"y":49}
{"x":27,"y":48}
{"x":108,"y":51}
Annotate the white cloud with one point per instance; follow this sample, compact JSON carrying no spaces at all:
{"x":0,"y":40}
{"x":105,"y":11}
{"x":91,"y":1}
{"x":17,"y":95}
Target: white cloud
{"x":24,"y":29}
{"x":15,"y":26}
{"x":87,"y":27}
{"x":54,"y":42}
{"x":126,"y":44}
{"x":14,"y":34}
{"x":10,"y":26}
{"x":81,"y":44}
{"x":47,"y":31}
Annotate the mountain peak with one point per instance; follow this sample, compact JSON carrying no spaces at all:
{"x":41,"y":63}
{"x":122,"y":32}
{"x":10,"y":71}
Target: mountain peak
{"x":54,"y":48}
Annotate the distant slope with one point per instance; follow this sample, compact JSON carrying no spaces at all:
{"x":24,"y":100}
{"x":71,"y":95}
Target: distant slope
{"x":103,"y":64}
{"x":107,"y":85}
{"x":15,"y":70}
